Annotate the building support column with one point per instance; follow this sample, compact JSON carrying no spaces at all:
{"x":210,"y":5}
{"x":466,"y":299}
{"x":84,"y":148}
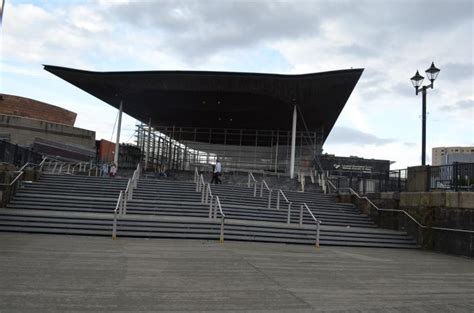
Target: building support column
{"x":276,"y":151}
{"x":293,"y":145}
{"x":117,"y":142}
{"x":147,"y":154}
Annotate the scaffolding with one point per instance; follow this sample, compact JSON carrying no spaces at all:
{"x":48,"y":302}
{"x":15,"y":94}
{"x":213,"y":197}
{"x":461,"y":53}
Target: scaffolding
{"x":184,"y":148}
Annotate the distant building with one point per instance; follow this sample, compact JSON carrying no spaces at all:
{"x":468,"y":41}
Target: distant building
{"x":44,"y":128}
{"x":129,"y":155}
{"x":449,"y":155}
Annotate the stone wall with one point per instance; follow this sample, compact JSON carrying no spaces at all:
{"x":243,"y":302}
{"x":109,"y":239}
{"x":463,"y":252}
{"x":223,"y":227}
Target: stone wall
{"x":23,"y":131}
{"x":453,"y":210}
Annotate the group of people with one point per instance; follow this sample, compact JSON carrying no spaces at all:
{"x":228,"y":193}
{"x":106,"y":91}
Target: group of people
{"x":108,"y":170}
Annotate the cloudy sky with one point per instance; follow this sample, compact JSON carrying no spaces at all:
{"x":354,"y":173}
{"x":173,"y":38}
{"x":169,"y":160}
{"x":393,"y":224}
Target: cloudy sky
{"x":391,"y":39}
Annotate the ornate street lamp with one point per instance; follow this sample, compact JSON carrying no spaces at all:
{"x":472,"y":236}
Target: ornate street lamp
{"x":417,"y":80}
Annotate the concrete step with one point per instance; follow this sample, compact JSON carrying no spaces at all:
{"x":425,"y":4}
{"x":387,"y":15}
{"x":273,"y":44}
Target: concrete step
{"x":99,"y":224}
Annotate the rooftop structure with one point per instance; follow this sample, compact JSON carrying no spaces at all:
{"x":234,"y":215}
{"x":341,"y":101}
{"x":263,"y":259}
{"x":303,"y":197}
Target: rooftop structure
{"x":225,"y":109}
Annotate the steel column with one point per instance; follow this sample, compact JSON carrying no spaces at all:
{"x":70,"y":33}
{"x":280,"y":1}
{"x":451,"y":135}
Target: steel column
{"x":117,"y":142}
{"x":293,"y":145}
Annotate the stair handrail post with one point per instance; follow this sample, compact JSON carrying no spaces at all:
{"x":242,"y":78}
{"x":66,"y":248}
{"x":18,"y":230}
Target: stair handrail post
{"x":254,"y":181}
{"x":278,"y":200}
{"x":60,"y":168}
{"x":218,"y":204}
{"x":323,"y":181}
{"x":196,"y":174}
{"x":317,"y":234}
{"x":125,"y":203}
{"x":317,"y":221}
{"x":129,"y":190}
{"x":203,"y":189}
{"x":42,"y":163}
{"x":210,"y":206}
{"x":288,"y":219}
{"x":303,"y":181}
{"x":301,"y":215}
{"x":261,"y":189}
{"x":114,"y":226}
{"x":270,"y":198}
{"x":221,"y":239}
{"x":207,"y":193}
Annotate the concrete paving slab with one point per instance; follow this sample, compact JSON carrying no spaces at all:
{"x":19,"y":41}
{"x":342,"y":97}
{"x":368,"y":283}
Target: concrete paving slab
{"x":58,"y":273}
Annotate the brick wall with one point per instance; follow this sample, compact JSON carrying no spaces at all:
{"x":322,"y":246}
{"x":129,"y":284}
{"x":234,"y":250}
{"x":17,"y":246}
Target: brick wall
{"x":24,"y":107}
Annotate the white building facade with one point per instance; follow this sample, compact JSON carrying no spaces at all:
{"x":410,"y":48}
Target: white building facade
{"x":449,"y":155}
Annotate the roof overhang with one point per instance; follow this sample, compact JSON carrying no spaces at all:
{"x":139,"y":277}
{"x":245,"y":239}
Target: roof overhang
{"x":220,"y":99}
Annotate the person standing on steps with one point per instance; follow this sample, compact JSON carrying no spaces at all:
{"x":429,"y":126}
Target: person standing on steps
{"x":217,"y":173}
{"x":113,"y":170}
{"x":104,"y":170}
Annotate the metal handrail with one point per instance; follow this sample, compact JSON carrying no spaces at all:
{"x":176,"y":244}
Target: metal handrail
{"x":34,"y":164}
{"x":407,"y":214}
{"x":288,"y":218}
{"x":124,"y":197}
{"x":311,"y":174}
{"x":96,"y":167}
{"x":15,"y":179}
{"x":209,"y":199}
{"x":118,"y":211}
{"x":202,"y":187}
{"x":218,"y":204}
{"x":318,"y":222}
{"x":196,"y":175}
{"x":199,"y":182}
{"x":250,"y":180}
{"x":129,"y":189}
{"x":21,"y":171}
{"x":264,"y":184}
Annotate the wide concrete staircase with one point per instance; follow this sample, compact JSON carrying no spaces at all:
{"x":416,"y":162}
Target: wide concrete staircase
{"x":163,"y":208}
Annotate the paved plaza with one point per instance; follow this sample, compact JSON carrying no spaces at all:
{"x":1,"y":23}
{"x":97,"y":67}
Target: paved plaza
{"x":56,"y":273}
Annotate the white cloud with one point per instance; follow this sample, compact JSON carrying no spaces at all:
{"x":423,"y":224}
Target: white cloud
{"x":390,"y":39}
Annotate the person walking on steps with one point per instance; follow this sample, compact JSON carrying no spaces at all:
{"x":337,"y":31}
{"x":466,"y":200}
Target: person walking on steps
{"x":217,"y":173}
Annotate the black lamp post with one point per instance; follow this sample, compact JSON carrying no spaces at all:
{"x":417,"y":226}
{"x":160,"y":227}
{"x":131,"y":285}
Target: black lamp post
{"x":417,"y":80}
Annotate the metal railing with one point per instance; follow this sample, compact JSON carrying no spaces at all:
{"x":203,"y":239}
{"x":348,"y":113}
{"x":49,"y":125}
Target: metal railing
{"x":288,"y":219}
{"x":252,"y":180}
{"x":196,"y":175}
{"x":124,"y":197}
{"x":407,"y":214}
{"x":456,"y":176}
{"x":217,"y":204}
{"x":120,"y":210}
{"x":318,"y":222}
{"x":14,"y":185}
{"x":214,"y":203}
{"x":209,"y":199}
{"x":91,"y":170}
{"x":265,"y":185}
{"x":202,"y":188}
